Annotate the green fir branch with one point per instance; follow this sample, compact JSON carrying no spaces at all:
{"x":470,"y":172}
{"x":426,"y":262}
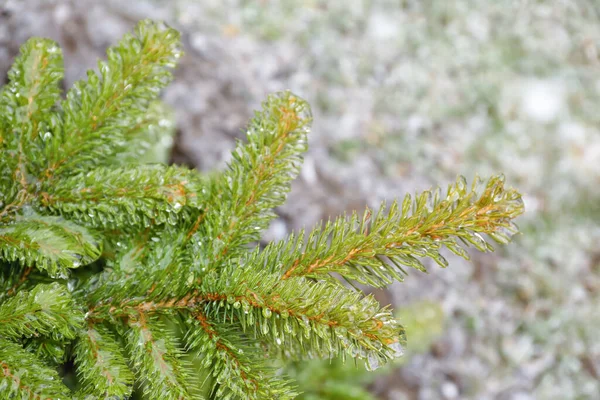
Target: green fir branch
{"x":238,"y":368}
{"x":155,"y":359}
{"x":46,"y":310}
{"x":24,"y":377}
{"x":374,"y":248}
{"x":52,"y":352}
{"x":26,"y":101}
{"x":153,"y":267}
{"x":101,"y":364}
{"x":152,"y":131}
{"x":110,"y":103}
{"x":106,"y":197}
{"x":331,"y":379}
{"x":257,"y":179}
{"x":321,"y":318}
{"x":13,"y":277}
{"x":52,"y":244}
{"x":33,"y":88}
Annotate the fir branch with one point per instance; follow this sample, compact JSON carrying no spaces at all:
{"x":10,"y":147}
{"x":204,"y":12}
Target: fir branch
{"x":46,"y":310}
{"x":101,"y":365}
{"x":239,"y":369}
{"x":26,"y":103}
{"x":308,"y":318}
{"x":155,"y":359}
{"x":277,"y":136}
{"x":331,"y":318}
{"x":106,"y":197}
{"x":257,"y":179}
{"x":52,"y":244}
{"x":33,"y":88}
{"x":321,"y":317}
{"x":24,"y":377}
{"x":373,"y":248}
{"x":153,"y":128}
{"x":98,"y":112}
{"x":13,"y":276}
{"x":53,"y":352}
{"x":154,"y":266}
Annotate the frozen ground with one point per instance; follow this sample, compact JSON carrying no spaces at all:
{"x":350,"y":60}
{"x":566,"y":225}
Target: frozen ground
{"x":407,"y":94}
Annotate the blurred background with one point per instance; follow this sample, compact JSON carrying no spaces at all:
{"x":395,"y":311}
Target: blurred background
{"x":406,"y":95}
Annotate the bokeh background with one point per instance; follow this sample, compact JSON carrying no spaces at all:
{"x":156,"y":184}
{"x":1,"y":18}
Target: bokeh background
{"x":407,"y":94}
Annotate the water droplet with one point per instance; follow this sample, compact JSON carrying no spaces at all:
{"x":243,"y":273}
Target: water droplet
{"x":267,"y":312}
{"x":429,"y":202}
{"x":372,"y":362}
{"x":441,"y":260}
{"x":478,"y":241}
{"x":461,"y":184}
{"x":306,"y":333}
{"x":397,"y":349}
{"x":305,"y":320}
{"x":287,"y":327}
{"x":246,"y":307}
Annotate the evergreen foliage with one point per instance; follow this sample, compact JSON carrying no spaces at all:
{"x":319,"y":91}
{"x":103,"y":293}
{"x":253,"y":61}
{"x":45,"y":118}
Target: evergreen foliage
{"x":143,"y":276}
{"x":333,"y":379}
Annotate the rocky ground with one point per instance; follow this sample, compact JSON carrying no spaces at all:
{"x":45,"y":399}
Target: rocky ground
{"x":407,"y":94}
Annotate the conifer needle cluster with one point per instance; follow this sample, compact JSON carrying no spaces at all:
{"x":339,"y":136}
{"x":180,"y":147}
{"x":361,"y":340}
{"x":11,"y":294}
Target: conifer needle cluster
{"x":143,"y":278}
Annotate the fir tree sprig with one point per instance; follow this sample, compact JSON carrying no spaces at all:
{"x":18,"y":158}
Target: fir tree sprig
{"x":144,"y":275}
{"x":258,"y":178}
{"x":155,"y":358}
{"x":51,"y":243}
{"x":108,"y":104}
{"x":236,"y":365}
{"x":24,"y":376}
{"x":101,"y":364}
{"x":27,"y":102}
{"x":373,"y":248}
{"x":105,"y":196}
{"x":47,"y":310}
